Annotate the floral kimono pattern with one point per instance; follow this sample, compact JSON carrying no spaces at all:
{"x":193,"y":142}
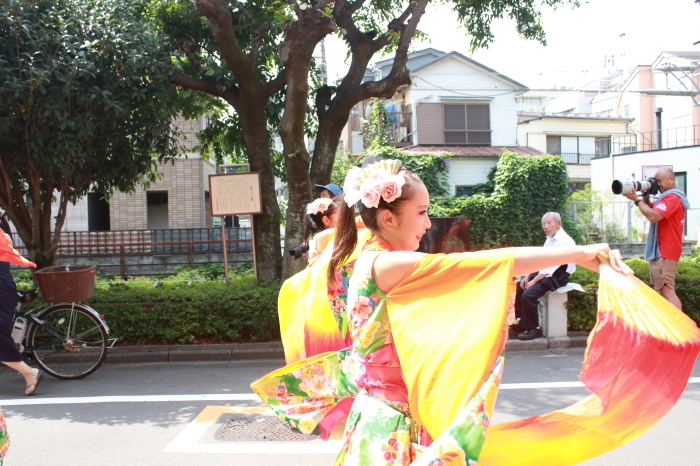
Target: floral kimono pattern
{"x":4,"y":438}
{"x":380,"y":429}
{"x":303,"y":393}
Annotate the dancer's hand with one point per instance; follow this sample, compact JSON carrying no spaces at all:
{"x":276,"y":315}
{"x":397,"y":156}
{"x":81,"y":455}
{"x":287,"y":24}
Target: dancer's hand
{"x":591,"y":261}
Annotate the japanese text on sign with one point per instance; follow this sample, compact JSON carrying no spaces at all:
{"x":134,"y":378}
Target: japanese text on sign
{"x":235,"y":194}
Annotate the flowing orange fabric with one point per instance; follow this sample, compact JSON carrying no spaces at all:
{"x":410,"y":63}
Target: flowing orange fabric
{"x":9,"y":254}
{"x":637,"y":364}
{"x":448,"y":319}
{"x":307,"y":325}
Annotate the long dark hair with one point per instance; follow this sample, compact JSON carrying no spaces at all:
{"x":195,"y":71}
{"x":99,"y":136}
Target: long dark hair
{"x":313,"y":223}
{"x":346,"y":230}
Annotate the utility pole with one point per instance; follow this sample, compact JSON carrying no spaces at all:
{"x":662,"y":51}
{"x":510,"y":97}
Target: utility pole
{"x":324,"y":68}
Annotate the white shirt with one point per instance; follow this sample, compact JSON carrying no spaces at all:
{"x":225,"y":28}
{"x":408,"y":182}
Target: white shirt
{"x":558,"y":240}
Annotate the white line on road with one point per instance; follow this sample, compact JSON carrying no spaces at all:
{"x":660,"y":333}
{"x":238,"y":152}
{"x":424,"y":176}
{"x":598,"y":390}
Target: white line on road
{"x":234,"y":396}
{"x":130,"y":399}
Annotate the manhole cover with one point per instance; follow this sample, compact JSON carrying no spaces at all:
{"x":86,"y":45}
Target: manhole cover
{"x":259,"y":428}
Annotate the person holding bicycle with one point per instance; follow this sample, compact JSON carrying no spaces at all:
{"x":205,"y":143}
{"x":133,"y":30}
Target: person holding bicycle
{"x":9,"y":354}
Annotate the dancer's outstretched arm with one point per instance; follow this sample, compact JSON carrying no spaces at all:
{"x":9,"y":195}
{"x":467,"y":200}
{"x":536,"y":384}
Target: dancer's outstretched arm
{"x":390,"y":268}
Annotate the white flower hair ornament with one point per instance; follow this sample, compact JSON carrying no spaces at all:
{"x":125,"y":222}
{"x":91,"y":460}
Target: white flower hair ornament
{"x":380,"y":180}
{"x":318,"y":206}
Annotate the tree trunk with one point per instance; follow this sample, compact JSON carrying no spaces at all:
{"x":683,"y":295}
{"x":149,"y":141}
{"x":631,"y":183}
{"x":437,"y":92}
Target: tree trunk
{"x":330,"y":129}
{"x":267,"y":225}
{"x":296,"y":53}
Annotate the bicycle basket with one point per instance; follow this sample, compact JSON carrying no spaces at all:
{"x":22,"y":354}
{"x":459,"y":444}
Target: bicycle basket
{"x":66,"y":283}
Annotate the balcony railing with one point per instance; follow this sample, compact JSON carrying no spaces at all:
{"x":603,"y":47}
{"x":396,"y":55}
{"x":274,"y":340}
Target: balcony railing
{"x":670,"y":138}
{"x":576,"y":159}
{"x":398,"y":128}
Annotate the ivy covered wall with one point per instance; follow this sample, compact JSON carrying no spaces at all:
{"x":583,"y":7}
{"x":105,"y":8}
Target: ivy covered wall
{"x":525,"y":188}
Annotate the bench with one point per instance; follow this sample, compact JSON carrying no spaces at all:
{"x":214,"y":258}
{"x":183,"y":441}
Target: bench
{"x":552,"y":311}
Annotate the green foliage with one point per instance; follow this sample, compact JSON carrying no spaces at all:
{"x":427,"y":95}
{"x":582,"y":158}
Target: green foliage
{"x":83,"y":100}
{"x":377,"y":130}
{"x":432,"y":168}
{"x":591,"y":211}
{"x":186,"y":307}
{"x":490,"y":186}
{"x":582,"y":308}
{"x":342,"y":164}
{"x":246,"y":310}
{"x":525,"y":188}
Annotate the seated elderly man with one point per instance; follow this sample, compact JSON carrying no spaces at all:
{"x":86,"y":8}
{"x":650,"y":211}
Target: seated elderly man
{"x":532,"y":287}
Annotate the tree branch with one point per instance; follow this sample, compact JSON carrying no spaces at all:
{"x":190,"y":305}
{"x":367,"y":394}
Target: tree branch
{"x":258,"y":34}
{"x":221,"y":24}
{"x":193,"y":58}
{"x":274,"y":85}
{"x":208,"y":85}
{"x":60,"y":218}
{"x":324,"y":95}
{"x":398,"y":75}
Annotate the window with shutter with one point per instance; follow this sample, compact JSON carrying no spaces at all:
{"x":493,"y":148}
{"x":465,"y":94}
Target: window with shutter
{"x":467,"y":124}
{"x":455,"y":124}
{"x":478,"y":125}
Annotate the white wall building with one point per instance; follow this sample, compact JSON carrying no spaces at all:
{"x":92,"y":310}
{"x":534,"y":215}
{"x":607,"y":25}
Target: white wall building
{"x":455,"y":105}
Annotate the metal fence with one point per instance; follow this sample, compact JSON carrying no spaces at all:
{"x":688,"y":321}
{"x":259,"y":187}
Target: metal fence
{"x":148,"y":252}
{"x":621,"y":222}
{"x":576,"y":158}
{"x":670,"y":138}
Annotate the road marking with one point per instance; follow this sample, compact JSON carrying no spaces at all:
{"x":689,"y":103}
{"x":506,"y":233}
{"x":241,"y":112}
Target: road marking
{"x":130,"y":399}
{"x":186,"y":442}
{"x":234,"y":396}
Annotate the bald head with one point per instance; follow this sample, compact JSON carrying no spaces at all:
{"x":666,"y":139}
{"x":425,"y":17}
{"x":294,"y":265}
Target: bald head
{"x":666,"y":178}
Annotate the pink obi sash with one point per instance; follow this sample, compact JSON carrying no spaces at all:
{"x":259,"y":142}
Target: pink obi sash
{"x":383,"y":377}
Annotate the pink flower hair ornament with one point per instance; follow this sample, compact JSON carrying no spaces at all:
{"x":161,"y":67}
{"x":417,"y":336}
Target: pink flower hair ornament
{"x":380,"y":180}
{"x":318,"y":206}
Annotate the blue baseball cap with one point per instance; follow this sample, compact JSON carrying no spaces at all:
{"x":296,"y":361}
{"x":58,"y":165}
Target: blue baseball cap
{"x":330,"y":187}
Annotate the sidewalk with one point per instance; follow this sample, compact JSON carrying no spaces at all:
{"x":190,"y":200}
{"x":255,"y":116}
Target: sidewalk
{"x":274,"y":350}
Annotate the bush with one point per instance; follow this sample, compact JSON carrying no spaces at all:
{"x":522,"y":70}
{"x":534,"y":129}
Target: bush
{"x":524,"y":189}
{"x":187,"y":308}
{"x":582,"y":308}
{"x":245,"y":310}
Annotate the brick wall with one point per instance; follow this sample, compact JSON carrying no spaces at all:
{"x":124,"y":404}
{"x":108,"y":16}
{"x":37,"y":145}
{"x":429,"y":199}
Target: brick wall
{"x":185,"y":181}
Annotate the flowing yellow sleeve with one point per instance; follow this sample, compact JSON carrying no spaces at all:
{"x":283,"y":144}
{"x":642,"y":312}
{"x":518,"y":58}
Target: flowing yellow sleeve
{"x":637,"y":364}
{"x":448,"y":320}
{"x":307,"y":325}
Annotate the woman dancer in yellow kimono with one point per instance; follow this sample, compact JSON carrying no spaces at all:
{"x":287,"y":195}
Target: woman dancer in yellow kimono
{"x":428,"y":333}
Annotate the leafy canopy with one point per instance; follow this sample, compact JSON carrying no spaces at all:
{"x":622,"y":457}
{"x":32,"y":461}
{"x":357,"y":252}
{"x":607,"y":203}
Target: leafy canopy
{"x":83,"y":103}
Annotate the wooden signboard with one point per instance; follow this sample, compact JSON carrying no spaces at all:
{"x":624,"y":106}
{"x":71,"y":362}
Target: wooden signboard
{"x":235,"y":194}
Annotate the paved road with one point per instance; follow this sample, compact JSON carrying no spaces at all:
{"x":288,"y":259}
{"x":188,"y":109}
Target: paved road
{"x":161,"y":414}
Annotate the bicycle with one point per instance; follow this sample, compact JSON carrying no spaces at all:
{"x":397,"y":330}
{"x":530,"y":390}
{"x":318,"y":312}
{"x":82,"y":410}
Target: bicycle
{"x":68,"y":340}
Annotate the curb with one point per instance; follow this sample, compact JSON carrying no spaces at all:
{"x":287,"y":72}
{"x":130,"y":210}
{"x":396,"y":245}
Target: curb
{"x":573,"y":340}
{"x":185,"y":353}
{"x":275,"y":350}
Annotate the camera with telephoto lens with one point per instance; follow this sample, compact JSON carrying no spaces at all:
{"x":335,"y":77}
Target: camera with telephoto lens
{"x":299,"y":251}
{"x":648,"y":186}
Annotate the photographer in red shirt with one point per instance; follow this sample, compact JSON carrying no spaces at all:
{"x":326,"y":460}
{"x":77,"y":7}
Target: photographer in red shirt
{"x":665,"y":239}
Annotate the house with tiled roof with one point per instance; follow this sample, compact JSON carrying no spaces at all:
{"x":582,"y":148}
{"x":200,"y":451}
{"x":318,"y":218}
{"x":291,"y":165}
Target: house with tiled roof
{"x":454,"y":105}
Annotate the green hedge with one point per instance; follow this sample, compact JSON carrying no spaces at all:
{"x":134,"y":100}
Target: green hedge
{"x":582,"y":307}
{"x":188,"y":312}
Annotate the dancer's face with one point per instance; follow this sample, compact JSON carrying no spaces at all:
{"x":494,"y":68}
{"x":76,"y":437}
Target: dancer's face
{"x":405,"y":229}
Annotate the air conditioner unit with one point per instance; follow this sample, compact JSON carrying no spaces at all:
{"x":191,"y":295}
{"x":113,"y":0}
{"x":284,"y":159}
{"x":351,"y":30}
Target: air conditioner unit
{"x":628,"y":149}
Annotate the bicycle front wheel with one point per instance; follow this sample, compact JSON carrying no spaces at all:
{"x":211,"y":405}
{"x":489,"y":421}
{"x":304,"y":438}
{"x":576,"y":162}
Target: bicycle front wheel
{"x":69,"y":342}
